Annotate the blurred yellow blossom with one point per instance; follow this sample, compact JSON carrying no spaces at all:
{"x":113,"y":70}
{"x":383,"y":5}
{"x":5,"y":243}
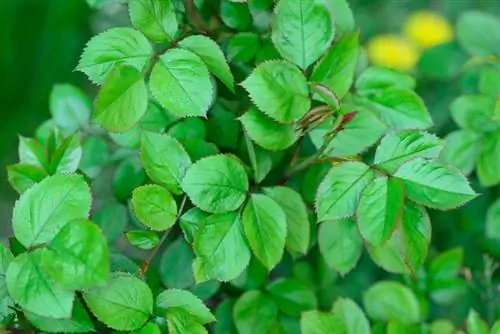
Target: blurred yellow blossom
{"x":427,"y":29}
{"x":392,"y":51}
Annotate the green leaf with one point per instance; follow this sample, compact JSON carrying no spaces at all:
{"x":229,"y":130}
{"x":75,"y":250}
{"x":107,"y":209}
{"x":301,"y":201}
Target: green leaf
{"x":471,"y":28}
{"x":69,"y":107}
{"x":302,"y":30}
{"x":235,"y":15}
{"x":389,"y":255}
{"x":31,"y":152}
{"x":79,"y":322}
{"x":175,"y":266}
{"x":155,"y":207}
{"x":126,"y":304}
{"x":489,"y":82}
{"x":243,"y":47}
{"x":380,"y":209}
{"x":180,"y":82}
{"x":316,"y":322}
{"x":476,"y":325}
{"x":221,"y":248}
{"x":414,"y":234}
{"x":34,"y":290}
{"x":398,"y":108}
{"x":78,"y":257}
{"x":352,"y":316}
{"x":254,"y":276}
{"x":339,"y":192}
{"x":375,"y":79}
{"x":143,"y":239}
{"x":165,"y":160}
{"x":199,"y":148}
{"x":461,"y":149}
{"x":398,"y":147}
{"x":128,"y":176}
{"x":268,"y":133}
{"x":173,"y":300}
{"x":280,"y":90}
{"x":216,"y":184}
{"x":122,"y":100}
{"x":206,"y":290}
{"x":340,"y":244}
{"x":488,"y":164}
{"x":224,"y":314}
{"x":254,"y":312}
{"x":190,"y":223}
{"x":223,"y":129}
{"x":442,"y":62}
{"x":180,"y":322}
{"x":298,"y":228}
{"x":49,"y":205}
{"x":344,"y":18}
{"x":447,"y":264}
{"x":149,"y":328}
{"x":24,"y":176}
{"x":433,"y":184}
{"x":292,"y":296}
{"x":475,"y":112}
{"x":95,"y":154}
{"x":155,"y":120}
{"x":112,"y":219}
{"x":6,"y":302}
{"x":388,"y":300}
{"x":336,"y":68}
{"x":67,"y":156}
{"x":356,"y":136}
{"x":443,"y":326}
{"x":265,"y":227}
{"x":156,"y":19}
{"x":121,"y":263}
{"x":493,"y":220}
{"x":445,"y":285}
{"x":114,"y":46}
{"x":260,"y":159}
{"x":211,"y":54}
{"x":187,"y":129}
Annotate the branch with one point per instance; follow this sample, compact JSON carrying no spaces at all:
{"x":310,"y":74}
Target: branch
{"x":145,"y":265}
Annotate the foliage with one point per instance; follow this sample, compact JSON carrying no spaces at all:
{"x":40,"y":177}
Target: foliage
{"x":231,"y":166}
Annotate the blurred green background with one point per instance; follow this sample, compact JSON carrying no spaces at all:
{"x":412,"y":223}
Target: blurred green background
{"x":41,"y":41}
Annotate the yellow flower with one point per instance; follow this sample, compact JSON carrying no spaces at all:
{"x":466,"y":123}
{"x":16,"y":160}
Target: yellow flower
{"x":392,"y":51}
{"x":427,"y":29}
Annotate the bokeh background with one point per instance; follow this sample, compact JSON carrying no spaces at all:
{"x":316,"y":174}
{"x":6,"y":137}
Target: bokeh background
{"x":41,"y":40}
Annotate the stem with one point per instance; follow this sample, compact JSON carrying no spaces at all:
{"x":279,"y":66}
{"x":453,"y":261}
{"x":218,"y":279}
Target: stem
{"x":145,"y":265}
{"x":194,"y":18}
